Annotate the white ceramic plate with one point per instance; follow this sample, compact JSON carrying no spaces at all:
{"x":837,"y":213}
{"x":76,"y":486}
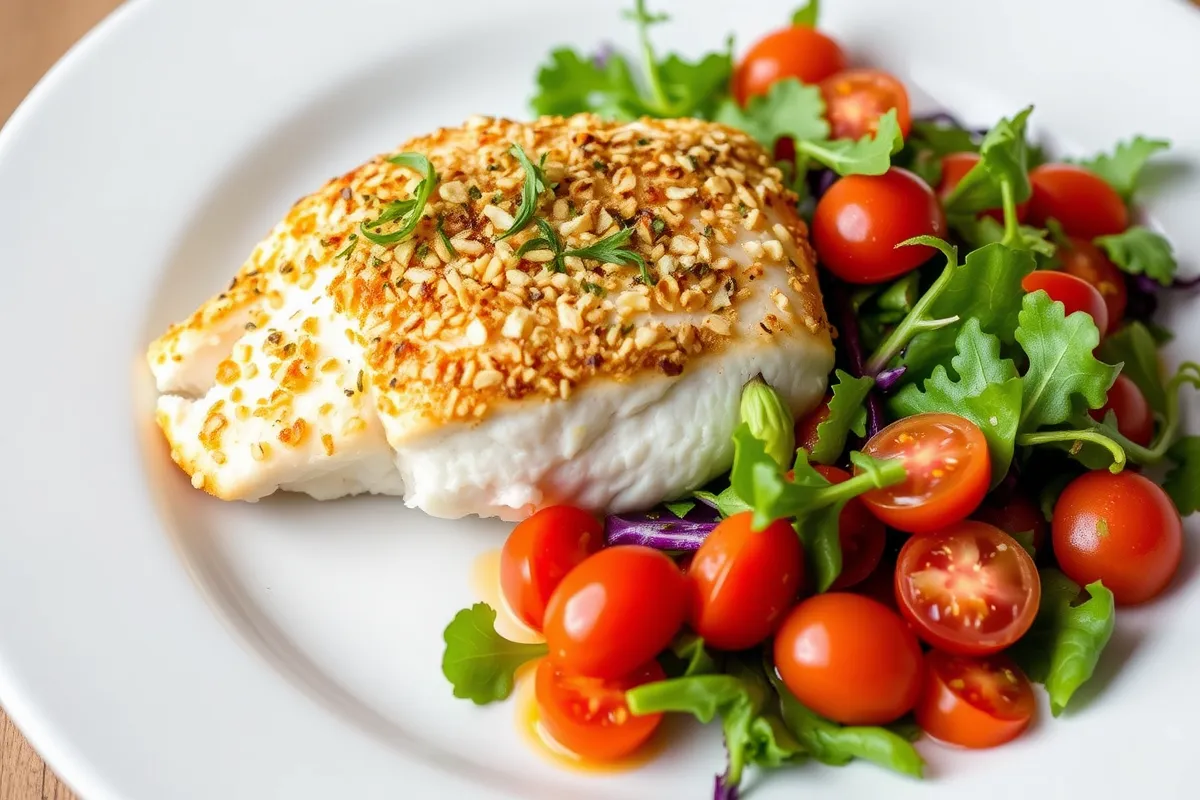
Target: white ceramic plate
{"x":155,"y":643}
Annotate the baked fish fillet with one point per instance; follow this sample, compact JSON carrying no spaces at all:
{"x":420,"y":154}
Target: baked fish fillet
{"x":469,"y":379}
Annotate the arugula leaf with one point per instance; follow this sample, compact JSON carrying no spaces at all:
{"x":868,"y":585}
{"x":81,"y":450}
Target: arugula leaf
{"x":407,"y":212}
{"x":1067,"y":637}
{"x":680,"y":508}
{"x":1002,"y":175}
{"x":727,"y":502}
{"x":806,"y":15}
{"x":1134,"y":346}
{"x":980,"y":230}
{"x":789,"y":108}
{"x":870,"y":155}
{"x":838,"y":745}
{"x":478,"y":662}
{"x":759,"y":480}
{"x":1123,"y":168}
{"x":1183,"y":481}
{"x":988,"y":392}
{"x":987,"y":287}
{"x":1141,"y":251}
{"x":1062,"y":373}
{"x":752,"y":737}
{"x":847,"y":412}
{"x":532,"y":186}
{"x":570,"y":83}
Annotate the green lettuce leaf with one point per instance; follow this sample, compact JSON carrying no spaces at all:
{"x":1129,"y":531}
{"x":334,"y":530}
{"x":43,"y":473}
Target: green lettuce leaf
{"x":1123,"y":168}
{"x":806,"y":15}
{"x":928,"y":142}
{"x":1141,"y":251}
{"x":478,"y":662}
{"x":847,"y":413}
{"x":680,"y":508}
{"x":988,"y":392}
{"x":1135,"y":347}
{"x":870,"y":155}
{"x":1063,"y":378}
{"x":1068,"y":635}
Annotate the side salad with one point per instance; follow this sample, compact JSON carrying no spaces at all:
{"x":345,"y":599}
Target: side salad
{"x":998,"y":466}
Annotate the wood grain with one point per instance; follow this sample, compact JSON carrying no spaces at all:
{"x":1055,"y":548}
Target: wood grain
{"x":33,"y":35}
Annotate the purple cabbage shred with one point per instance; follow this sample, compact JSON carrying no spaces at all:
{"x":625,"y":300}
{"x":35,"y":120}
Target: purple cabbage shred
{"x":848,"y":331}
{"x":820,"y":181}
{"x":661,"y":529}
{"x":603,"y":53}
{"x":886,"y":380}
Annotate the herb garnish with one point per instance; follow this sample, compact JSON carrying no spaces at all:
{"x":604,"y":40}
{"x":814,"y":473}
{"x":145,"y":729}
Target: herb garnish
{"x":406,"y":212}
{"x":535,"y":183}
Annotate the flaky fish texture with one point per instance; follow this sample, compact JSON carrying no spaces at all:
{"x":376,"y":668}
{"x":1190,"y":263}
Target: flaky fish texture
{"x":450,"y":370}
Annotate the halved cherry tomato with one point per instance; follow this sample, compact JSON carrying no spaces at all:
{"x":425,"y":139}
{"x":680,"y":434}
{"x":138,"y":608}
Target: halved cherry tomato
{"x":589,"y":716}
{"x":974,"y":702}
{"x":856,"y":98}
{"x":1084,"y":260}
{"x":969,"y":589}
{"x":860,"y":220}
{"x":1120,"y":529}
{"x":948,"y":471}
{"x":849,"y":658}
{"x":615,"y":611}
{"x":1135,"y":420}
{"x":1074,"y":293}
{"x":955,"y":167}
{"x":796,"y":52}
{"x":539,"y":552}
{"x":1018,"y":515}
{"x":1082,"y":202}
{"x":743,"y":581}
{"x":806,"y":426}
{"x":860,"y":535}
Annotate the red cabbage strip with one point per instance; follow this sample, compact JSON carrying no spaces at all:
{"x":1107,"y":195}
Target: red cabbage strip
{"x":852,"y":347}
{"x":661,"y":530}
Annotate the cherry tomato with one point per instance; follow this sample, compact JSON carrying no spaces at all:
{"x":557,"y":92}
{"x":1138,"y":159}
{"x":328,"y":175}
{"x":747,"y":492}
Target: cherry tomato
{"x":1120,"y":529}
{"x":1082,"y":202}
{"x":539,"y":552}
{"x":743,"y":581}
{"x":955,"y":167}
{"x":796,"y":52}
{"x":849,"y":658}
{"x":1018,"y":515}
{"x":856,"y":98}
{"x":860,"y":220}
{"x":615,"y":611}
{"x":861,"y":535}
{"x":969,"y":589}
{"x":974,"y":702}
{"x":1135,"y":420}
{"x":806,"y":426}
{"x":1075,"y":294}
{"x":948,"y":472}
{"x":1084,"y":260}
{"x":589,"y":716}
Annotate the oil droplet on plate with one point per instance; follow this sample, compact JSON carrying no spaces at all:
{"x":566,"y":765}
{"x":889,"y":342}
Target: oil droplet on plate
{"x":535,"y":735}
{"x":485,"y":581}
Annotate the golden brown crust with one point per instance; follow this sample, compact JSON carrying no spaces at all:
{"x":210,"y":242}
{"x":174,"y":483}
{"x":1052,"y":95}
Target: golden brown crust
{"x":451,"y":333}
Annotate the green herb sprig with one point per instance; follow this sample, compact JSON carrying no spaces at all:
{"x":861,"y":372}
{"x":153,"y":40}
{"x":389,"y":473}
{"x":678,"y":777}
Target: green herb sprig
{"x":406,"y":212}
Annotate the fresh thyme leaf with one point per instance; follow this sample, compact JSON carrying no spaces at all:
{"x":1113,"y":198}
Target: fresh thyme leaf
{"x":534,"y":184}
{"x":441,"y":231}
{"x":407,"y":212}
{"x":348,"y":249}
{"x":614,"y":249}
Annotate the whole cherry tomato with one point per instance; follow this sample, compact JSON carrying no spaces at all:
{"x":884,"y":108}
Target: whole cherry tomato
{"x":1120,"y":529}
{"x":1082,"y":202}
{"x":615,"y":611}
{"x":1135,"y":420}
{"x":744,"y":580}
{"x":1074,"y":293}
{"x":795,"y":52}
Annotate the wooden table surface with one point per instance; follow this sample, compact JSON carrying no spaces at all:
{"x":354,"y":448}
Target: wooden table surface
{"x":33,"y":34}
